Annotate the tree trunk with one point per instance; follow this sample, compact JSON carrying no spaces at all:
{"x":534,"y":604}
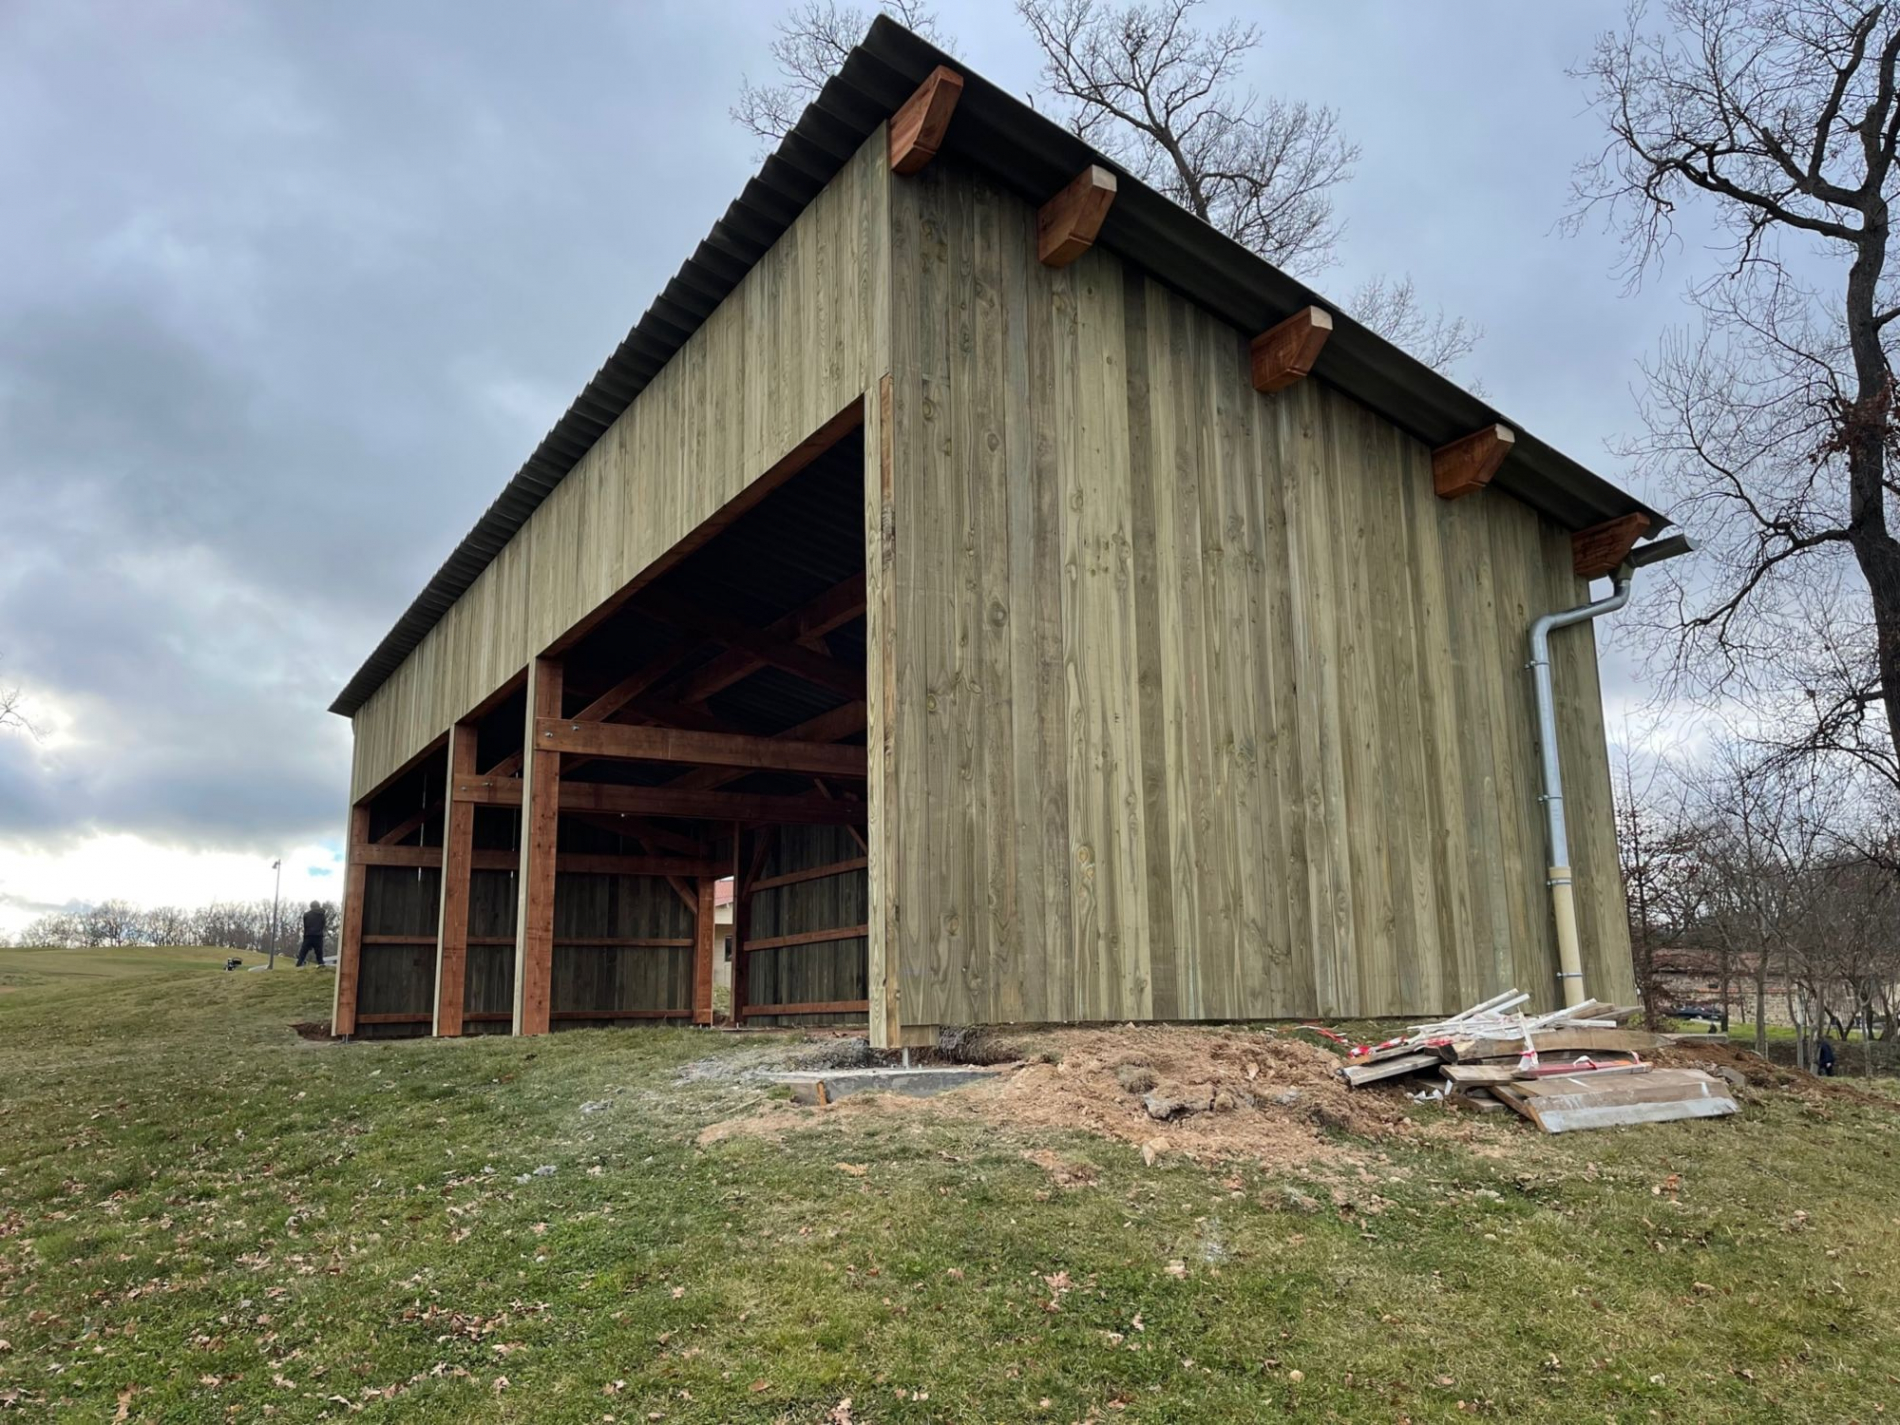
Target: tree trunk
{"x":1761,"y":1002}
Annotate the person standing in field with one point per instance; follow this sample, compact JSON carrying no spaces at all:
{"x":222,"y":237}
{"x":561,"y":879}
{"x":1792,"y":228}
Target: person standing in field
{"x":313,"y":927}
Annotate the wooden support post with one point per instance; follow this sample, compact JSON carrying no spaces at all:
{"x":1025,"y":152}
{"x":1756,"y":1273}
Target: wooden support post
{"x":741,"y":921}
{"x":1287,"y":352}
{"x":1069,"y":222}
{"x":458,"y":849}
{"x":920,"y":124}
{"x":1466,"y":466}
{"x":349,"y":949}
{"x":703,"y":949}
{"x":1598,"y":550}
{"x":540,"y":833}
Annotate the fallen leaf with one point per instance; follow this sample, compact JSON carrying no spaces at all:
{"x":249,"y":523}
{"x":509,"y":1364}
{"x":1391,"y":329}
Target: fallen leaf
{"x":857,"y":1170}
{"x":759,"y":1385}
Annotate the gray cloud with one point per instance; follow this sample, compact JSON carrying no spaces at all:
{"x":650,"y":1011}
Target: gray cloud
{"x":288,"y":291}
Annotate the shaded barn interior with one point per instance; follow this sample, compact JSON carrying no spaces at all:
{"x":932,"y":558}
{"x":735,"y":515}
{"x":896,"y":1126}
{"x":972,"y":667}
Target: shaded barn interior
{"x":756,"y":632}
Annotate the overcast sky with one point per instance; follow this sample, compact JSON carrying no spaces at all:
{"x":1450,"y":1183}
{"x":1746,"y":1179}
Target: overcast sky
{"x":289,"y":290}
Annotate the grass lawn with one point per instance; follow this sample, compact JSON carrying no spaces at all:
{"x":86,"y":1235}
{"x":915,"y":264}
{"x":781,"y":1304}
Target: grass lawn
{"x":205,"y":1218}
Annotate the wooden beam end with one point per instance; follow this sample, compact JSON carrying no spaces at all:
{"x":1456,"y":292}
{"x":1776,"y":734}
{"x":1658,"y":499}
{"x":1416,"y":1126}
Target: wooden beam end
{"x":1287,"y":352}
{"x":1602,"y":548}
{"x":918,"y":127}
{"x":1069,"y":222}
{"x":1466,"y":466}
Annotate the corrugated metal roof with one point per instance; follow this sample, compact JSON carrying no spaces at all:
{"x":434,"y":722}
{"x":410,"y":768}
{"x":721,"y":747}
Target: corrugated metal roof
{"x":1028,"y":153}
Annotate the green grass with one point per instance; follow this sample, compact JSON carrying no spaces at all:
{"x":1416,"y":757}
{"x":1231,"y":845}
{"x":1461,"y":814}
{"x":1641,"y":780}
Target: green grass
{"x":21,"y":968}
{"x":203,"y":1217}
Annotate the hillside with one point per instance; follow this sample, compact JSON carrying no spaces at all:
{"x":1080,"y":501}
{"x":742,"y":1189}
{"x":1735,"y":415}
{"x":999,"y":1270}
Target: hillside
{"x":204,"y":1216}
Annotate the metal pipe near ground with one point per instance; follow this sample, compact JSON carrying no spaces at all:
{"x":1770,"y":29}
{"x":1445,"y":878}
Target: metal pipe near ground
{"x":1563,"y":904}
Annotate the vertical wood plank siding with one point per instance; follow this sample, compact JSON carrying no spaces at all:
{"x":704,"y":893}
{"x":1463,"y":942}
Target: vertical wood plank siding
{"x":1200,"y":703}
{"x":1185,"y":701}
{"x":799,"y":339}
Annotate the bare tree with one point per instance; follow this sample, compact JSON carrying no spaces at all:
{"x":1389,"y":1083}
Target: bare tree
{"x":1770,"y":423}
{"x":1393,"y":309}
{"x":812,"y":43}
{"x":13,"y":710}
{"x":1168,"y":102}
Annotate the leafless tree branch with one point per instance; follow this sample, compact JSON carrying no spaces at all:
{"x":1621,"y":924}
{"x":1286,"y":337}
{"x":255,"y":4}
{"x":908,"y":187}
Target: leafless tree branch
{"x":812,"y":42}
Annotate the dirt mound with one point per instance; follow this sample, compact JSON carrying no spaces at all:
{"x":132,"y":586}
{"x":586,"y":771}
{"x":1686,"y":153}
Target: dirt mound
{"x":315,"y":1030}
{"x":1760,"y":1073}
{"x":1208,"y":1094}
{"x":1716,"y":1056}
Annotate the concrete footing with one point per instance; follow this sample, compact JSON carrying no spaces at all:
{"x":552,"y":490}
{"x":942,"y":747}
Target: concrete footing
{"x":830,"y":1085}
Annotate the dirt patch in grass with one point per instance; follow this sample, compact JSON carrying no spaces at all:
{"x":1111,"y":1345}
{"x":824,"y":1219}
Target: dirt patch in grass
{"x":1211,"y":1095}
{"x":317,"y":1031}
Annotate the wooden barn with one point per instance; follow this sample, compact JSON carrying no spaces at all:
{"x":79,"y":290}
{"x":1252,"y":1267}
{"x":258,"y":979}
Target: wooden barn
{"x":1043,"y":608}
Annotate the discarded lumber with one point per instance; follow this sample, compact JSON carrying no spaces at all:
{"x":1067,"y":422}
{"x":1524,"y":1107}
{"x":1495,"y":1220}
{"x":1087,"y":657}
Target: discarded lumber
{"x":1565,"y":1104}
{"x":1390,"y":1068}
{"x":1559,"y":1041}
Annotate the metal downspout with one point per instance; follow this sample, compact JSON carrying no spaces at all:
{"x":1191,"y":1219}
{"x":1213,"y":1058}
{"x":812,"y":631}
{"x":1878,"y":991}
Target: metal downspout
{"x":1563,"y":903}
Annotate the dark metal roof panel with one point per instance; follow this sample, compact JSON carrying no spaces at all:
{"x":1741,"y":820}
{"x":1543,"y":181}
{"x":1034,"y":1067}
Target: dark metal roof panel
{"x":1028,"y":153}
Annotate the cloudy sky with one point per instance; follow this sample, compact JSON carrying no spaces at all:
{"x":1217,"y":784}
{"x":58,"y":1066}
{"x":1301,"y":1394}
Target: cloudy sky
{"x":288,"y":290}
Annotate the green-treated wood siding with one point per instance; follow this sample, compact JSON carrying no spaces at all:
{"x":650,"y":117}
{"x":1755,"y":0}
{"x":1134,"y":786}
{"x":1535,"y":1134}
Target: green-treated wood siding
{"x":1201,"y":704}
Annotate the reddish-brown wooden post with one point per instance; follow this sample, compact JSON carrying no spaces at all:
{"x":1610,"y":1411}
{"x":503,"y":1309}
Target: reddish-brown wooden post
{"x":458,"y":854}
{"x":540,"y":831}
{"x":741,"y":923}
{"x":703,"y":953}
{"x":349,"y":948}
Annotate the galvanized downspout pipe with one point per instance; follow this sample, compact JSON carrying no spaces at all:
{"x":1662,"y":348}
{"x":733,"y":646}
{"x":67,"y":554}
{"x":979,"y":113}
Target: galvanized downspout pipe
{"x":1563,"y":903}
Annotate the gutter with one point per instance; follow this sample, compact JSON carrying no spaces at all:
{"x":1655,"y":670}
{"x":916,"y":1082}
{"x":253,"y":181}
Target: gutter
{"x":1563,"y":903}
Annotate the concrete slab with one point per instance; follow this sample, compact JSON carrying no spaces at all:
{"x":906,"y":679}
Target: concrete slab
{"x":830,"y":1085}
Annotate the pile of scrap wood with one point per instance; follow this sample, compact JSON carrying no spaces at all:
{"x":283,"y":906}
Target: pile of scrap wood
{"x":1574,"y":1068}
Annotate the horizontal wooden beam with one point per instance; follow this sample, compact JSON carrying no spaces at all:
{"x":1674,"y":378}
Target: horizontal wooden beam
{"x":1286,"y":353}
{"x":579,"y":862}
{"x":811,"y":873}
{"x":376,"y":854}
{"x":1466,"y":465}
{"x":841,"y":721}
{"x":395,"y":1018}
{"x":1600,"y":549}
{"x":835,"y":1006}
{"x":610,"y":942}
{"x":1069,"y":222}
{"x":622,"y":1014}
{"x":674,"y":801}
{"x":698,"y":749}
{"x":921,"y":122}
{"x":807,"y":937}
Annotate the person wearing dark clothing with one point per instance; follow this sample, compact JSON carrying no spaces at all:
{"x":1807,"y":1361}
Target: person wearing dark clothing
{"x":314,"y":921}
{"x":1824,"y":1060}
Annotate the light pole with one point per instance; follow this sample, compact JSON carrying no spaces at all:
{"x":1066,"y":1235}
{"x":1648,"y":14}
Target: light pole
{"x":276,"y":895}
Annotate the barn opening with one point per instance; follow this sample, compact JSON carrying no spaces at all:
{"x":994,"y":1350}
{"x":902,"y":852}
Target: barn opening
{"x":707,"y":723}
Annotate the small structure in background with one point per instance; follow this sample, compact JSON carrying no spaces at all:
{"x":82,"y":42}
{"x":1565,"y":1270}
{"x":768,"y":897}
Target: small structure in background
{"x":1579,"y":1067}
